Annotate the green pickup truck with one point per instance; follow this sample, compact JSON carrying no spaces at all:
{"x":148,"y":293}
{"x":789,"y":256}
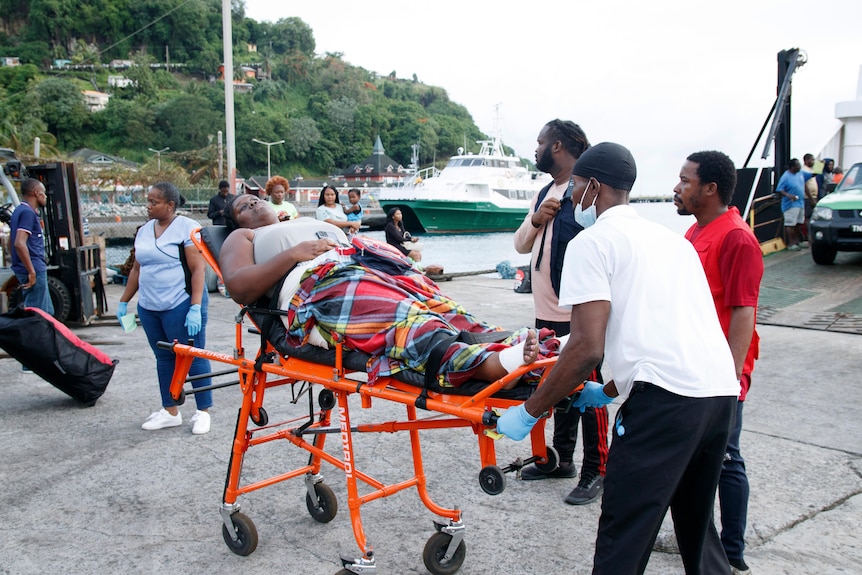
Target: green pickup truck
{"x":836,"y":222}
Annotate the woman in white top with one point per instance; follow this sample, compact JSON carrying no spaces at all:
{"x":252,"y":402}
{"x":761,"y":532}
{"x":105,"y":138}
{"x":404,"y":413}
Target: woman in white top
{"x":170,"y":307}
{"x":329,"y":210}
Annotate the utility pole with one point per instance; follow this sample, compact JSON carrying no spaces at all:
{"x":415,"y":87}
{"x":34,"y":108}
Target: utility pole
{"x":230,"y":125}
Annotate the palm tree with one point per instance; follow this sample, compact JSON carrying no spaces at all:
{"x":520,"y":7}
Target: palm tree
{"x":21,"y":138}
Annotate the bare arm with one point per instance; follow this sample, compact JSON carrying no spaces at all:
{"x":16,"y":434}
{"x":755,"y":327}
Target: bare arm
{"x":21,"y":237}
{"x":581,"y":354}
{"x":739,"y":335}
{"x":526,"y":234}
{"x":198,"y":266}
{"x":131,"y":283}
{"x":247,"y":281}
{"x":344,"y":225}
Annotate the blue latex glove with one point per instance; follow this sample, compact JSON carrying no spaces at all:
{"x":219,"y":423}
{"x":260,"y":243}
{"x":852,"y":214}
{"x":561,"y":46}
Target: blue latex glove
{"x":122,"y":309}
{"x":193,"y":319}
{"x":592,"y":395}
{"x":516,"y":423}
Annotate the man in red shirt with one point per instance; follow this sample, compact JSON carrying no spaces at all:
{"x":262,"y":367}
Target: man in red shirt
{"x":733,"y":262}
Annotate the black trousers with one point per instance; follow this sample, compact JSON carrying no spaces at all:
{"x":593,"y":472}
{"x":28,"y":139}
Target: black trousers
{"x":594,"y":422}
{"x":669,"y":456}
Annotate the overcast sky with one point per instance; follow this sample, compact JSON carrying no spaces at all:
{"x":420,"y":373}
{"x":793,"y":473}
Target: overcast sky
{"x":664,"y":78}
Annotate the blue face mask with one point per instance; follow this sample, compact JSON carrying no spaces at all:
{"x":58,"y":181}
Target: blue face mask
{"x":586,"y":218}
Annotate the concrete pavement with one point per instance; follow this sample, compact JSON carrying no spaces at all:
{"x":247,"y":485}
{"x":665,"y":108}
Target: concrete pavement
{"x":90,"y":492}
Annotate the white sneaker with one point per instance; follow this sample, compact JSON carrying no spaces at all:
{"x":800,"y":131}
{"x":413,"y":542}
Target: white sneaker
{"x":200,"y":422}
{"x":162,"y":419}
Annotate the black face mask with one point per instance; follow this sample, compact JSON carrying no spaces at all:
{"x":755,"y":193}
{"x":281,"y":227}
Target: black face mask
{"x":546,"y":162}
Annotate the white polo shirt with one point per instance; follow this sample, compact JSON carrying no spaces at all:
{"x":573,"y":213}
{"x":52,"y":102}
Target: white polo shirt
{"x":663,"y":327}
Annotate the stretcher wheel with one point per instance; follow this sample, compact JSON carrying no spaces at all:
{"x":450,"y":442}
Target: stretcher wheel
{"x":326,"y":501}
{"x":552,"y":463}
{"x":246,"y":534}
{"x":435,"y":551}
{"x":182,"y":398}
{"x":326,"y":399}
{"x":492,"y":480}
{"x":262,"y":417}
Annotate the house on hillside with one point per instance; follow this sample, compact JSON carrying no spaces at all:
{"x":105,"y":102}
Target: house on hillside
{"x":96,"y":100}
{"x":9,"y":61}
{"x":377,"y":168}
{"x":119,"y":82}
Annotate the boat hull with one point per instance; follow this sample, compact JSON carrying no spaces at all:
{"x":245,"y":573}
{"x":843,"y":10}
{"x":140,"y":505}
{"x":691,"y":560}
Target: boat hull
{"x":445,"y":217}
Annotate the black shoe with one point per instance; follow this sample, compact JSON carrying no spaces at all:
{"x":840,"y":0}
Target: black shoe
{"x":565,"y":470}
{"x":739,"y":567}
{"x":588,"y":490}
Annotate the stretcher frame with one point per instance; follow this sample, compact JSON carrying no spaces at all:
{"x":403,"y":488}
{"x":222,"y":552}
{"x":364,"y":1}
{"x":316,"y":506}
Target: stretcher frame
{"x":445,"y":550}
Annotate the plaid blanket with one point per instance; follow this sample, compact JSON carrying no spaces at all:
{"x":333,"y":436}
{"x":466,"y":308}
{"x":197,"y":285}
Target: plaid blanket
{"x":391,"y":318}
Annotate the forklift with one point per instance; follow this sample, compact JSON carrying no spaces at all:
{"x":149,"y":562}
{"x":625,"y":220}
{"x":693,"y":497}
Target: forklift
{"x":74,"y":269}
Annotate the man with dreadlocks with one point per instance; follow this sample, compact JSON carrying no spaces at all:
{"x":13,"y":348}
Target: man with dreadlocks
{"x":545,"y":233}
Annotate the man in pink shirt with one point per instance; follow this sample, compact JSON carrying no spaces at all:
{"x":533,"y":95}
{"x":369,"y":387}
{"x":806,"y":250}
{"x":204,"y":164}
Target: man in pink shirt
{"x":545,"y":233}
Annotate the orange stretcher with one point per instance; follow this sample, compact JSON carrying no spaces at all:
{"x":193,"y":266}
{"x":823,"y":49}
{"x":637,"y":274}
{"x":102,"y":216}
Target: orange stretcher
{"x":334,"y":374}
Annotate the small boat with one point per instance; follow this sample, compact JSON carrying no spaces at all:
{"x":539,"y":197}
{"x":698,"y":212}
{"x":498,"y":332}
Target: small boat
{"x":476,"y":192}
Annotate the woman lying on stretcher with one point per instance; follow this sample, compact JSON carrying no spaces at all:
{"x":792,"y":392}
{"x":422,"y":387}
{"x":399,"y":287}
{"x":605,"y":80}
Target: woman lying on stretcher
{"x":397,"y":319}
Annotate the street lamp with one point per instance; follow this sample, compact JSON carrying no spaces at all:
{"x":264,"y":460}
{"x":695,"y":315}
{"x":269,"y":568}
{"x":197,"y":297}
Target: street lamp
{"x":158,"y":154}
{"x":268,"y":146}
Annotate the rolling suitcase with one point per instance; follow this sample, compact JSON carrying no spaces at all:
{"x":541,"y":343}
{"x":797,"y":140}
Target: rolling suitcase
{"x":57,"y":355}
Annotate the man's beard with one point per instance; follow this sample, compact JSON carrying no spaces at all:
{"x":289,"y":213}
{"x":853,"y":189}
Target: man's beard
{"x":546,"y":162}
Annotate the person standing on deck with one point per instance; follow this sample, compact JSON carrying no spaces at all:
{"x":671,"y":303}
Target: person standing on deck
{"x":731,"y":257}
{"x":791,"y":187}
{"x":545,"y":233}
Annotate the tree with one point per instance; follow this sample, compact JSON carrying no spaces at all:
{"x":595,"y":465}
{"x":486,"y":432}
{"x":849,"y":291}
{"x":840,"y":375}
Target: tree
{"x":61,"y":106}
{"x":21,"y":138}
{"x":302,"y":137}
{"x":186,"y":122}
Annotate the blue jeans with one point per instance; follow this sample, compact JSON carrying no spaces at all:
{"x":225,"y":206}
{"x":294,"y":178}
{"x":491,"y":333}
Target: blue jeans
{"x":38,"y":295}
{"x":169,"y":326}
{"x":733,"y":493}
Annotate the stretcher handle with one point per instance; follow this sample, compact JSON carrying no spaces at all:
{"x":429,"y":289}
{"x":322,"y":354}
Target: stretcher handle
{"x":170,"y":344}
{"x":490,"y":418}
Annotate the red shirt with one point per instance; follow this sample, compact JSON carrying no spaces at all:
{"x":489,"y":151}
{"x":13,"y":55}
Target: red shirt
{"x":733,"y":263}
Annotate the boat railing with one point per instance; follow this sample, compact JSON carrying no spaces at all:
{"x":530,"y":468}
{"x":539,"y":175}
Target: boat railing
{"x":419,"y":177}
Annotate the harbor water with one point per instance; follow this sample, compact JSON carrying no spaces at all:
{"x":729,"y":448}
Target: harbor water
{"x":476,"y":252}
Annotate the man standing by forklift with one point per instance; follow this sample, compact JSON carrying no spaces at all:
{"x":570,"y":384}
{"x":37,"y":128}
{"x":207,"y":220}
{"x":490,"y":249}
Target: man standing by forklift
{"x":28,"y":257}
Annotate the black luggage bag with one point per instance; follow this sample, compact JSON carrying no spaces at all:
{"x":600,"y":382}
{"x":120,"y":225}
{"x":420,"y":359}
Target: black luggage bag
{"x":57,"y":355}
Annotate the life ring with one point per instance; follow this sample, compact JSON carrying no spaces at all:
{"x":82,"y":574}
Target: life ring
{"x":500,"y":182}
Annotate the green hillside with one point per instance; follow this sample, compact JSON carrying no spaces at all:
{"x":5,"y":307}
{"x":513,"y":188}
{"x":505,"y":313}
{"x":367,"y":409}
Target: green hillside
{"x":328,"y":111}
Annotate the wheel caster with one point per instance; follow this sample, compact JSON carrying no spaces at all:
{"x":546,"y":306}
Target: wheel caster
{"x":182,"y":398}
{"x":246,"y":534}
{"x":553,"y":461}
{"x":434,"y":554}
{"x":492,"y":480}
{"x":326,"y":399}
{"x":327,"y":504}
{"x":262,"y":417}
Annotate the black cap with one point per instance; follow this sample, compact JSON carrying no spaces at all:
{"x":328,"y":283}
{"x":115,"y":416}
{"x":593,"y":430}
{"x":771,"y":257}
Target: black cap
{"x":611,"y":164}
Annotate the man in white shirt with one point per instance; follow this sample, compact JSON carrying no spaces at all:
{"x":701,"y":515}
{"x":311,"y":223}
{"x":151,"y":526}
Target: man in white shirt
{"x":640,"y":298}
